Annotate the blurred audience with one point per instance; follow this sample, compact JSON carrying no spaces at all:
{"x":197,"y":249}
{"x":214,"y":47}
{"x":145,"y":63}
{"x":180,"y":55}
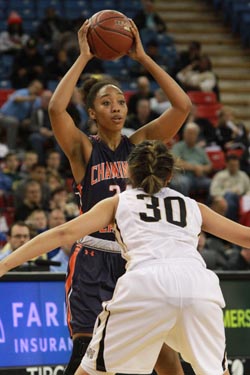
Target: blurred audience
{"x":148,"y":18}
{"x":38,"y":220}
{"x":15,"y":112}
{"x":41,"y":136}
{"x":13,"y":38}
{"x":143,"y":115}
{"x":227,"y":187}
{"x":143,"y":90}
{"x":214,"y":259}
{"x":28,"y":160}
{"x":28,"y":65}
{"x":232,"y":136}
{"x":37,"y":174}
{"x":239,"y":260}
{"x":152,"y":48}
{"x":18,"y":234}
{"x":58,"y":65}
{"x":194,"y":166}
{"x":199,"y":75}
{"x":159,"y":102}
{"x":31,"y":200}
{"x":11,"y":168}
{"x":61,"y":199}
{"x":63,"y":258}
{"x":50,"y":28}
{"x":55,"y":217}
{"x":188,"y":56}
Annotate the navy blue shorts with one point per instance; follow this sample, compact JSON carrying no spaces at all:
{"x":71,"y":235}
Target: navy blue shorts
{"x":91,"y":279}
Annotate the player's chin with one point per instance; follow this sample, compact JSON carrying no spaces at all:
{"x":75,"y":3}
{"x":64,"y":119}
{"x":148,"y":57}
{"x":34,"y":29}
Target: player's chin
{"x":118,"y":122}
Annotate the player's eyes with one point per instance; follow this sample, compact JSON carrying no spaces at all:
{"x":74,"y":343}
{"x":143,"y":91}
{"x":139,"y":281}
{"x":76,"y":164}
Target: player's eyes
{"x":122,"y":102}
{"x":106,"y":103}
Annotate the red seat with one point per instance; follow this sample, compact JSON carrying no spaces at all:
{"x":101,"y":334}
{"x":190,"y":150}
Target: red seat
{"x":209,"y":111}
{"x":4,"y":94}
{"x":9,"y":214}
{"x":217,"y":158}
{"x":202,"y":97}
{"x":237,"y":151}
{"x":244,"y":210}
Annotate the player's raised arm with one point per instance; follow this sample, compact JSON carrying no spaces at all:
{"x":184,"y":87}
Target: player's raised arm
{"x":73,"y":142}
{"x":224,"y":228}
{"x":168,"y":124}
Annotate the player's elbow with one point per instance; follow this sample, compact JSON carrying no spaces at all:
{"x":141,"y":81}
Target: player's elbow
{"x":54,"y":107}
{"x":187,"y":105}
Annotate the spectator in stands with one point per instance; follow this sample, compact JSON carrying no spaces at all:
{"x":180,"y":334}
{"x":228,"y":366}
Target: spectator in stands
{"x":18,"y":234}
{"x":53,"y":161}
{"x":5,"y":184}
{"x":61,"y":199}
{"x":143,"y":90}
{"x":142,"y":116}
{"x":38,"y":220}
{"x":148,"y":18}
{"x":159,"y":102}
{"x":199,"y":75}
{"x":207,"y":134}
{"x":29,"y":159}
{"x":62,"y":257}
{"x":51,"y":28}
{"x":193,"y":163}
{"x":188,"y":56}
{"x":15,"y":112}
{"x":227,"y":187}
{"x":77,"y":101}
{"x":38,"y":174}
{"x":28,"y":65}
{"x":232,"y":135}
{"x":14,"y":38}
{"x":58,"y":66}
{"x":41,"y":135}
{"x":55,"y":217}
{"x":54,"y":181}
{"x":214,"y":259}
{"x":153,"y":50}
{"x":32,"y":199}
{"x":239,"y":260}
{"x":11,"y":167}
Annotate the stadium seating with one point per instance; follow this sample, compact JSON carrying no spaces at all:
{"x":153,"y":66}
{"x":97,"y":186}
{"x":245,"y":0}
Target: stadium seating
{"x":201,"y":97}
{"x":209,"y":111}
{"x":4,"y":94}
{"x":217,"y":158}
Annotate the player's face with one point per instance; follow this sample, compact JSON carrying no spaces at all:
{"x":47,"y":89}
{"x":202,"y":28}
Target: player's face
{"x":110,"y":108}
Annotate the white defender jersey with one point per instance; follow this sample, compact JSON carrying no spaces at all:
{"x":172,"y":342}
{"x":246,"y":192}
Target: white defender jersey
{"x":163,"y":226}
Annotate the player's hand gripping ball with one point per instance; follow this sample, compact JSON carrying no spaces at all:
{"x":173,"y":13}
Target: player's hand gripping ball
{"x":109,"y":35}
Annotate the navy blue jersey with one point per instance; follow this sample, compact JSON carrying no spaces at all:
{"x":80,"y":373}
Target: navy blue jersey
{"x":103,"y":179}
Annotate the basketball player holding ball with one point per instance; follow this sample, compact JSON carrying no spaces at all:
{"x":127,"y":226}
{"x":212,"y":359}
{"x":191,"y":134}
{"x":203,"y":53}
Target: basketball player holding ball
{"x":99,"y":169}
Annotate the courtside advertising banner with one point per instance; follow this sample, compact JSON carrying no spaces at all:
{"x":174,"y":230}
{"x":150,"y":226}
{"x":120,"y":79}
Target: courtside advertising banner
{"x":33,"y":328}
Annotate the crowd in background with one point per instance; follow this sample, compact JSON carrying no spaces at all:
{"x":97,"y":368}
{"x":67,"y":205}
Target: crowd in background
{"x":35,"y":178}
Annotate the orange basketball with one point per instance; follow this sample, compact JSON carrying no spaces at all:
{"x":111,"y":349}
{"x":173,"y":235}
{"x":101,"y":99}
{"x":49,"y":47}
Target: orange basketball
{"x":109,"y":35}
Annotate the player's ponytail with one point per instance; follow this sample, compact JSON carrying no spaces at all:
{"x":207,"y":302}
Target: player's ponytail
{"x":150,"y":166}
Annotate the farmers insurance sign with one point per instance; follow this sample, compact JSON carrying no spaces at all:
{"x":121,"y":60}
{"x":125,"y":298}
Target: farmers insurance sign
{"x":33,"y":329}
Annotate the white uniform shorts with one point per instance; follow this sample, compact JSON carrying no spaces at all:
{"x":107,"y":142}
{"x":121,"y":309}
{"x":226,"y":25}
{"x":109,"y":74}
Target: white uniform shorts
{"x":173,"y":302}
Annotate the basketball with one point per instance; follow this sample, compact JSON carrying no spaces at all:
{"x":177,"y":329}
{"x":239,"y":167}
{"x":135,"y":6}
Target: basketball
{"x":109,"y":35}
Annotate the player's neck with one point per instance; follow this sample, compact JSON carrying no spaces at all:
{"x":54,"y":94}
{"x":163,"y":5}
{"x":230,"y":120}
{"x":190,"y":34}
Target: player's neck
{"x":111,"y":139}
